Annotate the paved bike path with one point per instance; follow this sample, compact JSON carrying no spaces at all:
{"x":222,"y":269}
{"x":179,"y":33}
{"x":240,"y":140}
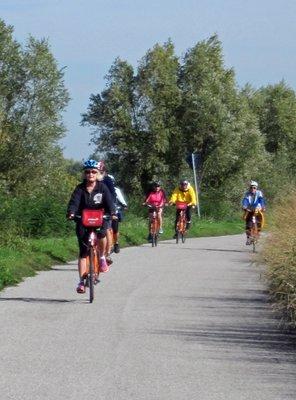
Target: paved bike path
{"x":187,"y":321}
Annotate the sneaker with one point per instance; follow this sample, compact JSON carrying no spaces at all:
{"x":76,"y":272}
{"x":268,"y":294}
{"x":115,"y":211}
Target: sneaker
{"x":160,"y":231}
{"x":109,"y":260}
{"x":104,"y":267}
{"x":248,"y":242}
{"x":80,"y":288}
{"x":116,"y":248}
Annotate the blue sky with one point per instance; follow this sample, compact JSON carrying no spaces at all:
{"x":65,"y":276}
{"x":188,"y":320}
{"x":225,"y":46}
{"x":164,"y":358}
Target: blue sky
{"x":258,"y":38}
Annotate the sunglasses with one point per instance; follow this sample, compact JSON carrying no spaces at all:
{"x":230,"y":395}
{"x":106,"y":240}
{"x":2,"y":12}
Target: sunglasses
{"x":253,"y":187}
{"x":91,"y":171}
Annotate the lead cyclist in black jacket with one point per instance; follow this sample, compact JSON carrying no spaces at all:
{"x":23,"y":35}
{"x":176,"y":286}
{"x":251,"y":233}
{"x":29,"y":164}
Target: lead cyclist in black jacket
{"x":90,"y":194}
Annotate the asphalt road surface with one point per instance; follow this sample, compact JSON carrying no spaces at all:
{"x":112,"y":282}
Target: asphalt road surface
{"x":187,"y":321}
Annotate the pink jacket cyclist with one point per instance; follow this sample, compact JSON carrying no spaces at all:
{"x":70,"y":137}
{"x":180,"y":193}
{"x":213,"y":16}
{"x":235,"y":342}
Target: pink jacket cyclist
{"x":157,"y":198}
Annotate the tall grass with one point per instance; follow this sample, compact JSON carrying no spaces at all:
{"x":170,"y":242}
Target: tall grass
{"x":279,"y":254}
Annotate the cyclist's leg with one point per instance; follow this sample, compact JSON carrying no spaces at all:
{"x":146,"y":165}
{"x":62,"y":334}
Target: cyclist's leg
{"x":259,"y":222}
{"x":159,"y":216}
{"x":115,"y":231}
{"x":150,"y":221}
{"x":102,"y":247}
{"x":81,"y":234}
{"x":176,"y":220}
{"x":109,"y":236}
{"x":188,"y":217}
{"x":248,"y":228}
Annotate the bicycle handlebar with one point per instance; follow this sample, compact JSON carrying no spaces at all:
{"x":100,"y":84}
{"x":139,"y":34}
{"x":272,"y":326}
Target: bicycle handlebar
{"x":77,"y":217}
{"x":153,"y":207}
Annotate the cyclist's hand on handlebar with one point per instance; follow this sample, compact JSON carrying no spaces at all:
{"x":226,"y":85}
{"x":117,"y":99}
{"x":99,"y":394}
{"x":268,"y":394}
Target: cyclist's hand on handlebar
{"x":114,"y":217}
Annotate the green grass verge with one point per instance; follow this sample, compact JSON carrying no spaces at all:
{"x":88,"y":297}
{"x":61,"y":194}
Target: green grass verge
{"x":134,"y":232}
{"x":23,"y":257}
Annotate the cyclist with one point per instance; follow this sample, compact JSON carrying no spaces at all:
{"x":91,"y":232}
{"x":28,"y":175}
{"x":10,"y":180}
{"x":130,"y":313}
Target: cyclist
{"x":120,"y":205}
{"x":90,"y":194}
{"x":184,"y":193}
{"x":253,"y":200}
{"x":108,"y":181}
{"x":156,"y":198}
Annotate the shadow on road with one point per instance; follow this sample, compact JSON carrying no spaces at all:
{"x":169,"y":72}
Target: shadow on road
{"x":223,"y":250}
{"x":59,"y":269}
{"x":234,"y":325}
{"x":37,"y":300}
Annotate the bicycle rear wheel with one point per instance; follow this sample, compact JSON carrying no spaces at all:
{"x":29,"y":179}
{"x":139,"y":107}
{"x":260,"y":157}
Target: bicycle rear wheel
{"x":183,"y":237}
{"x":91,"y":274}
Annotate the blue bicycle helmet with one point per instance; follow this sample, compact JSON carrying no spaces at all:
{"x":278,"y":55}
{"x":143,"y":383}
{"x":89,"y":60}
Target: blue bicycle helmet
{"x":90,"y":164}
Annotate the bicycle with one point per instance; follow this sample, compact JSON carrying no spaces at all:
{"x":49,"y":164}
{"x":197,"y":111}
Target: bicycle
{"x":255,"y":226}
{"x":181,"y":222}
{"x":153,"y":224}
{"x":92,"y":220}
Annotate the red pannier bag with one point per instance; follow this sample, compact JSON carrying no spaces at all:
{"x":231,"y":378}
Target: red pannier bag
{"x":92,"y":218}
{"x":181,"y":205}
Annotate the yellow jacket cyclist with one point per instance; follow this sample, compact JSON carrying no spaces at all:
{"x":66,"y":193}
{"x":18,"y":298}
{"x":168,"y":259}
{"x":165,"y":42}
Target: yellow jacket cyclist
{"x":184,"y":193}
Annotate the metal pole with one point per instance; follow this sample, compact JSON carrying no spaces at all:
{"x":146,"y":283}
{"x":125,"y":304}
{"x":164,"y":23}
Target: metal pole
{"x":195,"y":182}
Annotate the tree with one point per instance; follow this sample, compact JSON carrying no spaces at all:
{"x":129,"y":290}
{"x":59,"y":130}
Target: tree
{"x":33,"y":97}
{"x":216,"y":120}
{"x":112,"y":114}
{"x":134,"y":118}
{"x":275,"y":106}
{"x":159,"y":98}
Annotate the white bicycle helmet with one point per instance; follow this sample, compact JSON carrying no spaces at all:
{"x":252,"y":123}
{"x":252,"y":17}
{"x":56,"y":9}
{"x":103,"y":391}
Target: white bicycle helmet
{"x":254,"y":183}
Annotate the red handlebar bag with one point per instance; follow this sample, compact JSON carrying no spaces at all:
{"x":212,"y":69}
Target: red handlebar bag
{"x":92,"y":218}
{"x":181,"y":205}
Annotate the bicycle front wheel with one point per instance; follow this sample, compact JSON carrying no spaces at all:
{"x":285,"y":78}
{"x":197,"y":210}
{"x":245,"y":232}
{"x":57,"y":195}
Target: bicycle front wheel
{"x":254,"y":236}
{"x":154,"y":240}
{"x":91,"y":274}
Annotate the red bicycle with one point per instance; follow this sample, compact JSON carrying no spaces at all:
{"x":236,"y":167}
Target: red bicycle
{"x":153,"y":224}
{"x":181,"y":221}
{"x":92,"y":220}
{"x":256,"y":222}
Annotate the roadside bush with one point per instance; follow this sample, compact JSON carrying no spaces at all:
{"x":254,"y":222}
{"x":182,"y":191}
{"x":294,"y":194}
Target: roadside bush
{"x":38,"y":216}
{"x":279,"y":254}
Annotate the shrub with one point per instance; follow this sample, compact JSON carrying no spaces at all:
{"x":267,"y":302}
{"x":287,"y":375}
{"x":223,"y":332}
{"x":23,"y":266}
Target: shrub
{"x":279,"y":253}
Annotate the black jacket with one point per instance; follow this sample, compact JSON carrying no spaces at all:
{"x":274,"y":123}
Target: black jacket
{"x":99,"y":198}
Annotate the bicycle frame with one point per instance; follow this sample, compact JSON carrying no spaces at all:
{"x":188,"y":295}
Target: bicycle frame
{"x":254,"y":234}
{"x":93,"y":267}
{"x":253,"y":228}
{"x":181,"y":222}
{"x":153,"y":224}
